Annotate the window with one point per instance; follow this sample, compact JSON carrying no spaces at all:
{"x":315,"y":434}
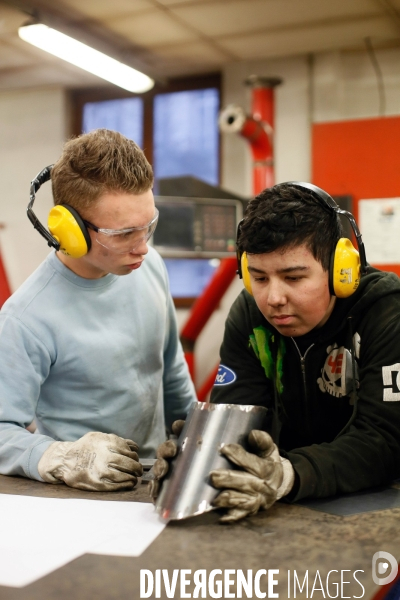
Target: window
{"x":124,"y":115}
{"x":177,"y":127}
{"x":188,"y":277}
{"x":186,"y":140}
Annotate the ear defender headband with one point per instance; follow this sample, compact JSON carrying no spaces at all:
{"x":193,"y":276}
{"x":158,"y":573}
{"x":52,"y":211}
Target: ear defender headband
{"x":347,"y":264}
{"x":67,"y":232}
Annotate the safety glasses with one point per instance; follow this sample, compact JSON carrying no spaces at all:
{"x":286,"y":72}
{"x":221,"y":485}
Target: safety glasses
{"x":122,"y":241}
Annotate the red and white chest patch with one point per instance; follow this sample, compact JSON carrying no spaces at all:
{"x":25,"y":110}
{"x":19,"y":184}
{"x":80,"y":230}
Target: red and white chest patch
{"x":337,"y":373}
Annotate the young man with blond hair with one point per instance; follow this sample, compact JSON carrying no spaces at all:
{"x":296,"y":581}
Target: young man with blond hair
{"x":89,"y":346}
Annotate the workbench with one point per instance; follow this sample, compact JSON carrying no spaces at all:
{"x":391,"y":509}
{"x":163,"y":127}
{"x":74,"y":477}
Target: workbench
{"x":287,"y":537}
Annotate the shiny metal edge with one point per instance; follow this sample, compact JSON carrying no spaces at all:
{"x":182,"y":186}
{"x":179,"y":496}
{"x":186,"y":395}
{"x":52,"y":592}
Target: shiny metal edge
{"x":242,"y":407}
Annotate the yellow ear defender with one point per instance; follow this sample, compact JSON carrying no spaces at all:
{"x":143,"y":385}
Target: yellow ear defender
{"x":244,"y":263}
{"x":345,"y":269}
{"x":347,"y":264}
{"x":67,"y":231}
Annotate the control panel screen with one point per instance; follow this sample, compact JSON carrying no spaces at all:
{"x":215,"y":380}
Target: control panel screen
{"x":196,"y":227}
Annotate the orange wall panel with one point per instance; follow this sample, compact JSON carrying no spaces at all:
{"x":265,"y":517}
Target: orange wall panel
{"x":358,"y":158}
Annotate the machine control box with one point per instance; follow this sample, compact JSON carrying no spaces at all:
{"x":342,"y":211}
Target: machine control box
{"x":196,"y":227}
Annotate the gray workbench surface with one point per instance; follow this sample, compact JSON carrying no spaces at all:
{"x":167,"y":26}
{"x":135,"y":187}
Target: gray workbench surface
{"x":287,"y":537}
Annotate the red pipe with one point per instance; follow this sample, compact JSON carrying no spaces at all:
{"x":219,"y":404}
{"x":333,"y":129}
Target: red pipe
{"x":210,"y":298}
{"x":262,"y":108}
{"x":257,"y":129}
{"x":207,"y":385}
{"x":5,"y":291}
{"x":263,"y":112}
{"x":203,"y":308}
{"x":261,"y":149}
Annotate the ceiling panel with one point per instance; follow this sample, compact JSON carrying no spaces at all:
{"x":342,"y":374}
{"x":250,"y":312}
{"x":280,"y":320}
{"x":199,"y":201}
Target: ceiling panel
{"x":12,"y":57}
{"x":240,"y":16}
{"x":177,"y":3}
{"x":196,"y":51}
{"x":44,"y":75}
{"x":179,"y":37}
{"x":100,"y":9}
{"x":388,"y":4}
{"x":10,"y":19}
{"x":320,"y":38}
{"x":155,"y":27}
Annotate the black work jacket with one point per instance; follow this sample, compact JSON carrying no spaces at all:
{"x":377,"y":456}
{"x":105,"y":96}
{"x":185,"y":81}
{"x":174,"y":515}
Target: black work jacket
{"x":333,"y":395}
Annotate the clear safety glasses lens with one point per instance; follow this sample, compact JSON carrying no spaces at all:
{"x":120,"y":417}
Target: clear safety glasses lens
{"x":126,"y":240}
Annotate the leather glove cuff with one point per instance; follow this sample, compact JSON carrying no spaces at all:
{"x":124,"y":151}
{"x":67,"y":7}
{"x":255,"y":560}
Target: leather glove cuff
{"x":50,"y":466}
{"x":288,"y":478}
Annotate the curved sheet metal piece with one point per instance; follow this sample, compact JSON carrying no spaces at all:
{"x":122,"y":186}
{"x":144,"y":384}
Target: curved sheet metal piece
{"x":186,"y":490}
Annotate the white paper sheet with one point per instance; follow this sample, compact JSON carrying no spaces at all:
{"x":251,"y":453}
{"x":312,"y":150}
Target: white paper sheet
{"x":143,"y":523}
{"x":379,"y":220}
{"x":39,"y":535}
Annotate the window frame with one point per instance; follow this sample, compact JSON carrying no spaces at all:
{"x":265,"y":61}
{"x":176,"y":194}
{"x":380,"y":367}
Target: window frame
{"x":78,"y":97}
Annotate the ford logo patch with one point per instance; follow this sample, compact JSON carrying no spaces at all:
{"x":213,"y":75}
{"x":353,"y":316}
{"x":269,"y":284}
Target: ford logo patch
{"x":225,"y":376}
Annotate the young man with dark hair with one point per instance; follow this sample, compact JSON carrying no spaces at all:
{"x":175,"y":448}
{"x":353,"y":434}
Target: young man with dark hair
{"x":92,"y":356}
{"x":327,"y":368}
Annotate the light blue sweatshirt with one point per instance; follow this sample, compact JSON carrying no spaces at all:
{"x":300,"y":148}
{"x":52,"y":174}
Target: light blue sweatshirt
{"x":81,"y":355}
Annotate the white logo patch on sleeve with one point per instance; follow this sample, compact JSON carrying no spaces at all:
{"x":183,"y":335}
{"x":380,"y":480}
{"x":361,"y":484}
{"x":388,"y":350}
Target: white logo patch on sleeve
{"x":391,"y":383}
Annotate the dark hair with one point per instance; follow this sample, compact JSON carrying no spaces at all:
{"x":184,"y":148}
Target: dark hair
{"x":97,"y":163}
{"x":285,"y":216}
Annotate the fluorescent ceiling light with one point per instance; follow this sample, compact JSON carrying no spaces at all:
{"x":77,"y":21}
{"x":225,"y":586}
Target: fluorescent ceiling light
{"x":86,"y":58}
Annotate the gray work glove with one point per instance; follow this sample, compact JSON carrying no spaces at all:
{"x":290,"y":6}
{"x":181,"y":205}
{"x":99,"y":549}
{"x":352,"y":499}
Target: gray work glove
{"x":101,"y":462}
{"x":166,"y":450}
{"x":266,"y":478}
